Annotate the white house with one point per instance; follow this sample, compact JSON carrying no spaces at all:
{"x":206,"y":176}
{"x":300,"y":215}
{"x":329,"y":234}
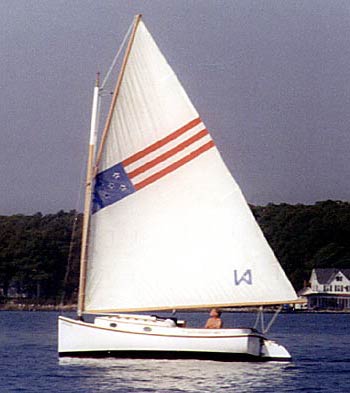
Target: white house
{"x":330,"y":289}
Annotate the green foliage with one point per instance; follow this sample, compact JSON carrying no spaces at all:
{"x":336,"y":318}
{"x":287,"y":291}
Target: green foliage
{"x":39,"y":254}
{"x":304,"y":236}
{"x":34,"y":251}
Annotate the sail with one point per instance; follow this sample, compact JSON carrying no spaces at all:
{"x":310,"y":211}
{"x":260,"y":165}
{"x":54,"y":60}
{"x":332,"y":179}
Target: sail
{"x":170,"y":228}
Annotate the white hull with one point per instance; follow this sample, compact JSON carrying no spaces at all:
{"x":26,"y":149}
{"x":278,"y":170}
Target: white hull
{"x":147,"y":337}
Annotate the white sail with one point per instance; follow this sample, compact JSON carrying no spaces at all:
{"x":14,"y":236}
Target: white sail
{"x":170,"y":228}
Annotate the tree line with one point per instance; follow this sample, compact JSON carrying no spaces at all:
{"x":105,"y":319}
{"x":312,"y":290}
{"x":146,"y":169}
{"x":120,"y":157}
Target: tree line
{"x":39,"y":254}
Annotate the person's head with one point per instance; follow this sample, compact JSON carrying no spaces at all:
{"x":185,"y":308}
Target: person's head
{"x":215,"y":313}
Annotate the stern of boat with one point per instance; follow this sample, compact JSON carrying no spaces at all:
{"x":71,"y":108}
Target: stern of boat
{"x":270,"y":350}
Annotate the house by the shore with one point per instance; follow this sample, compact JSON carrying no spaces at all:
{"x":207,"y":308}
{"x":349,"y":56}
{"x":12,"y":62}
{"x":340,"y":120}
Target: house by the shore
{"x":329,"y":289}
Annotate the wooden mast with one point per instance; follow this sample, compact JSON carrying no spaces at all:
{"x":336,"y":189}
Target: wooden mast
{"x":88,"y":191}
{"x":92,"y":166}
{"x":116,"y":92}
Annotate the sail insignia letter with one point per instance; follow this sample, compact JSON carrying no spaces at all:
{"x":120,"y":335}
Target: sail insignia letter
{"x":245,"y":278}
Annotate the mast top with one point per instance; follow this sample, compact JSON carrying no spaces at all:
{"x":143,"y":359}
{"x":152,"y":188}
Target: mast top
{"x":97,"y":82}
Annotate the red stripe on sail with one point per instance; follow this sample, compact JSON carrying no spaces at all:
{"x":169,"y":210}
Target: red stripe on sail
{"x":168,"y":154}
{"x":175,"y":165}
{"x":161,"y":142}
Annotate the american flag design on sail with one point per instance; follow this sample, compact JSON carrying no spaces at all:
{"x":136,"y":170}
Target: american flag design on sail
{"x":151,"y":164}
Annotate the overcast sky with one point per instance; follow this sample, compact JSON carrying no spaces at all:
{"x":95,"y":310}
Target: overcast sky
{"x":271,"y":80}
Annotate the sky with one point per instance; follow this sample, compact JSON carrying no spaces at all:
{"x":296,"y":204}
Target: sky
{"x":270,"y":79}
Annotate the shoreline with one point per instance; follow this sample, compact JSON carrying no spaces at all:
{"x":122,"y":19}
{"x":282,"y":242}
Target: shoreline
{"x":37,"y":307}
{"x":73,"y":308}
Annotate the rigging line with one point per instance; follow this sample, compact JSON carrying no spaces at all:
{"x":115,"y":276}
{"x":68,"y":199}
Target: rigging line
{"x":136,"y":22}
{"x":256,"y":324}
{"x":272,"y":320}
{"x":258,"y":317}
{"x":262,"y":319}
{"x":69,"y":261}
{"x":116,"y":57}
{"x":71,"y":244}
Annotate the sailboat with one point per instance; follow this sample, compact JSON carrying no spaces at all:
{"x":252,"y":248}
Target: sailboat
{"x":166,"y":228}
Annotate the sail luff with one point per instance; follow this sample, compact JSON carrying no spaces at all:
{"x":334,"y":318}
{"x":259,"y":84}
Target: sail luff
{"x":87,"y":200}
{"x":116,"y":92}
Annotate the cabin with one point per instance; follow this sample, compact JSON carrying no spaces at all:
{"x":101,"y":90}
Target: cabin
{"x":329,"y":289}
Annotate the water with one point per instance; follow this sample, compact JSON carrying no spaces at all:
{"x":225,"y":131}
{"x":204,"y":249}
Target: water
{"x":319,"y":344}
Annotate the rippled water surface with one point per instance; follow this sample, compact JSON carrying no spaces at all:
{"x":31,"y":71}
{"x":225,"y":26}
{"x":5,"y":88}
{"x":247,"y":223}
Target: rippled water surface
{"x":319,"y":344}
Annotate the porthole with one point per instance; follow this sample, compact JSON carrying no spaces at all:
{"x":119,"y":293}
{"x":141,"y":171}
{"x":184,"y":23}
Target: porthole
{"x":147,"y":329}
{"x":113,"y":325}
